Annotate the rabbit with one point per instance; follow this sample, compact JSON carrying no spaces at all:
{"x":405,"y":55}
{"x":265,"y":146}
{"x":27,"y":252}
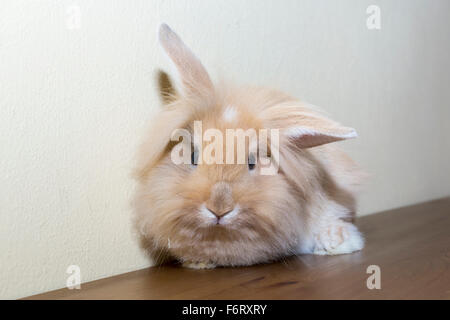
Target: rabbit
{"x":207,"y":215}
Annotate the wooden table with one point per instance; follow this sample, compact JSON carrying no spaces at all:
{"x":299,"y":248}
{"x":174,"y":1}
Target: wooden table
{"x":411,"y":245}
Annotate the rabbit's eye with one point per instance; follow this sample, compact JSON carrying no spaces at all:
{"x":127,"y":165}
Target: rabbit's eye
{"x":194,"y":158}
{"x":251,"y":161}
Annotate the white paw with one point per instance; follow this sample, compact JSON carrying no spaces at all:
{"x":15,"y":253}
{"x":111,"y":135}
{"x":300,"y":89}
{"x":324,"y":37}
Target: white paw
{"x":198,"y":265}
{"x":338,"y":238}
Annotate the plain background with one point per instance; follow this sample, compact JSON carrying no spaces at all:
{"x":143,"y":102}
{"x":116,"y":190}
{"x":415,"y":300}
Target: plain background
{"x":77,"y":91}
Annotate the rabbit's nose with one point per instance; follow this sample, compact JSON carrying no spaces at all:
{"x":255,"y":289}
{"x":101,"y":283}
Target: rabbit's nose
{"x":220,"y":212}
{"x":220,"y":201}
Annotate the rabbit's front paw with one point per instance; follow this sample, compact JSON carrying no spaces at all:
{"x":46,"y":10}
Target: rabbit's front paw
{"x":338,"y":238}
{"x":198,"y":265}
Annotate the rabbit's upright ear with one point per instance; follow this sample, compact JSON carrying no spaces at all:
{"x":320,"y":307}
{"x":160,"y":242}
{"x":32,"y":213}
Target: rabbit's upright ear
{"x":166,"y":89}
{"x":305,"y":128}
{"x":194,"y":78}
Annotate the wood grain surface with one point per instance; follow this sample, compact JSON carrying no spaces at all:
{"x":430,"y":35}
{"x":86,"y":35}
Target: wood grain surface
{"x":411,"y":245}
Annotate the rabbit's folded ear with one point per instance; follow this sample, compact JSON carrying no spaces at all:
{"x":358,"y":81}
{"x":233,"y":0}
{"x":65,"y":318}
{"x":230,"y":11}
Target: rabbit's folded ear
{"x":305,"y":128}
{"x":195,"y":80}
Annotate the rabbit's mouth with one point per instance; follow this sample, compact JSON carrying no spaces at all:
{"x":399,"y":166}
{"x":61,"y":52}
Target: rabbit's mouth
{"x":222,"y":219}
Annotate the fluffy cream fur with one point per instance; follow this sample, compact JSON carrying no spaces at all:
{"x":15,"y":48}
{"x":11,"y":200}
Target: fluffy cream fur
{"x":306,"y":208}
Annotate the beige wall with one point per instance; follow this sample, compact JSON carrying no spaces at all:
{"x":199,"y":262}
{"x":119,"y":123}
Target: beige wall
{"x":76,"y":97}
